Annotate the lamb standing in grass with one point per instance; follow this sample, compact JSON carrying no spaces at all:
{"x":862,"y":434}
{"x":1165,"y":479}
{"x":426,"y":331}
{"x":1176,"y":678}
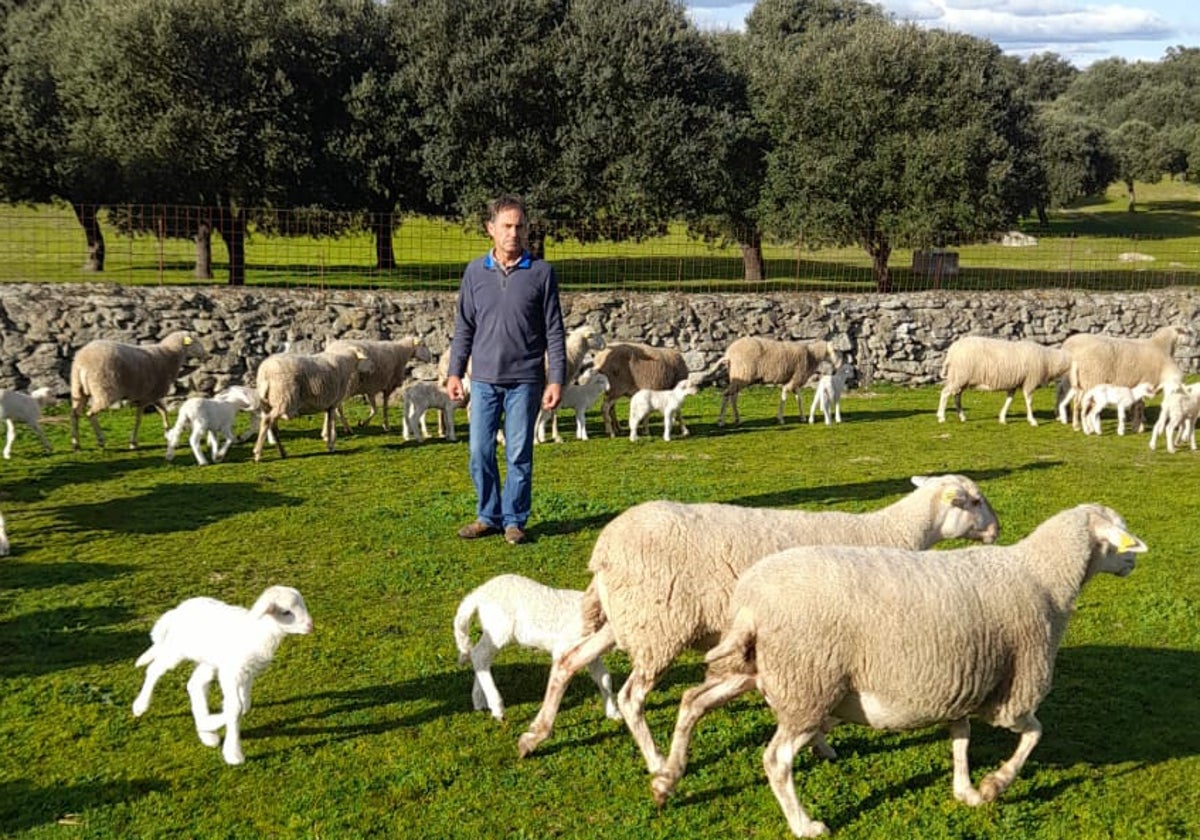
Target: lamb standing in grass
{"x":580,"y":341}
{"x":1177,"y":418}
{"x":210,"y":417}
{"x":389,"y":371}
{"x":898,"y":639}
{"x":670,"y":403}
{"x":511,"y":609}
{"x":16,"y":407}
{"x":420,"y":397}
{"x":1100,"y":396}
{"x":1100,"y":360}
{"x":762,"y":360}
{"x":828,"y":395}
{"x":578,"y":398}
{"x":631,"y":367}
{"x":993,"y":364}
{"x":228,"y":643}
{"x":104,"y":373}
{"x":662,"y":573}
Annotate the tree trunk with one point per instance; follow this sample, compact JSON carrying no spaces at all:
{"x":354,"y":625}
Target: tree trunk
{"x":1132,"y":200}
{"x":204,"y":250}
{"x":537,"y":242}
{"x":385,"y":252}
{"x":88,"y":216}
{"x":1043,"y":218}
{"x":752,"y":257}
{"x":231,"y":225}
{"x":879,"y":266}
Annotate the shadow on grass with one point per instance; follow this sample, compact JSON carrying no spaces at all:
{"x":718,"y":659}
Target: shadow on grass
{"x":84,"y":472}
{"x":17,"y":575}
{"x":66,"y":637}
{"x":25,"y":805}
{"x":169,"y":508}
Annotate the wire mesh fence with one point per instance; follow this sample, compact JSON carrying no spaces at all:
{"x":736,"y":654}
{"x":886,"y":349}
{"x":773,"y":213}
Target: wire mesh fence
{"x":315,"y":249}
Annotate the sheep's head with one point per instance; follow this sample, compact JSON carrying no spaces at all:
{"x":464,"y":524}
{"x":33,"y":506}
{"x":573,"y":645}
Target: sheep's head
{"x":960,"y":509}
{"x":421,"y":351}
{"x":185,"y":341}
{"x":1113,"y":546}
{"x":285,"y":606}
{"x":1143,"y":390}
{"x":43,"y":396}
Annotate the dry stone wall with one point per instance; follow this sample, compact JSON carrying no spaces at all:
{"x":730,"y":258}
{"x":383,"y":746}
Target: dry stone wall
{"x":898,"y":338}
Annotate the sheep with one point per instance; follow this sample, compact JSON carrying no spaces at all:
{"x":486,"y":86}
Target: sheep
{"x":105,"y":372}
{"x":762,"y":360}
{"x":662,"y":573}
{"x":228,"y":643}
{"x":418,"y":398}
{"x":580,"y":341}
{"x":631,"y":367}
{"x":1099,"y":396}
{"x":512,"y":608}
{"x":828,"y":394}
{"x":670,"y":403}
{"x":389,"y":369}
{"x":208,"y":417}
{"x":895,"y":639}
{"x":1177,"y":417}
{"x":1099,"y":360}
{"x":292,"y":384}
{"x":994,"y":364}
{"x":3,"y":536}
{"x":579,"y":398}
{"x":25,"y":408}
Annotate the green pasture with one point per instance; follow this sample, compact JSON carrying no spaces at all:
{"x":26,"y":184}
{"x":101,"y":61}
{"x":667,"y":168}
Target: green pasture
{"x":365,"y":729}
{"x":1082,"y":248}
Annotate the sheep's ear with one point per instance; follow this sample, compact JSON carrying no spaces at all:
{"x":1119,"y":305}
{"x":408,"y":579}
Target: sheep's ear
{"x":1116,"y":535}
{"x":919,"y":480}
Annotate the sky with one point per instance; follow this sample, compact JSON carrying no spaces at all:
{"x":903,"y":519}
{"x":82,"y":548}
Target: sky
{"x":1080,"y":31}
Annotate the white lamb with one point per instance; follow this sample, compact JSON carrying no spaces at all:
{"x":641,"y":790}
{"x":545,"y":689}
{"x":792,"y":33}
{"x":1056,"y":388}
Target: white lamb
{"x":662,"y":573}
{"x":669,"y":403}
{"x":228,"y":643}
{"x":580,"y":341}
{"x":511,"y":609}
{"x":828,"y":395}
{"x":210,"y":417}
{"x":420,"y":397}
{"x":1177,"y":417}
{"x":898,"y":639}
{"x":1100,"y":396}
{"x":1101,"y":359}
{"x":16,"y":407}
{"x":994,"y":364}
{"x":578,"y":398}
{"x":632,"y":367}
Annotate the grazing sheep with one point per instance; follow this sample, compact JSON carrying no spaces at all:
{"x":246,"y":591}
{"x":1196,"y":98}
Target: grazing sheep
{"x":105,"y":372}
{"x":1177,"y":418}
{"x":762,"y":360}
{"x":418,"y":398}
{"x":511,"y":609}
{"x":631,"y":367}
{"x":898,"y":639}
{"x":669,"y":402}
{"x":3,"y":537}
{"x":25,"y":408}
{"x":994,"y":364}
{"x":228,"y":643}
{"x":1099,"y":396}
{"x":828,"y":394}
{"x":662,"y":573}
{"x":578,"y":398}
{"x":389,"y":370}
{"x":208,"y":417}
{"x":1099,"y":360}
{"x":293,"y":384}
{"x":580,"y":341}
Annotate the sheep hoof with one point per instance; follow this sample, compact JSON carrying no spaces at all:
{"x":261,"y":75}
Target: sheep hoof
{"x":527,"y":743}
{"x":990,"y":788}
{"x":661,"y":787}
{"x":815,"y":828}
{"x":234,"y":757}
{"x":969,"y":797}
{"x":209,"y":739}
{"x":140,"y":707}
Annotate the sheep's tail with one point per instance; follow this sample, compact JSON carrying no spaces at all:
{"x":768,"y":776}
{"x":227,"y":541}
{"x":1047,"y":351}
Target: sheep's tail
{"x":158,"y":634}
{"x":462,"y":627}
{"x":735,"y":653}
{"x":593,"y":611}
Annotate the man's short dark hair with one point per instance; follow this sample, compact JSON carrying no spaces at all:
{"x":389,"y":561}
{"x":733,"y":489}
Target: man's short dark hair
{"x":506,"y":202}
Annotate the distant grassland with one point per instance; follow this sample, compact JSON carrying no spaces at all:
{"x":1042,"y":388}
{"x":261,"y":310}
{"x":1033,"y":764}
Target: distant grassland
{"x":1082,"y":248}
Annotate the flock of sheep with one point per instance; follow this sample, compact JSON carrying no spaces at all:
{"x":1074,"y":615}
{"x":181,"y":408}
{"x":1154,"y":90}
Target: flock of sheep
{"x":787,"y":602}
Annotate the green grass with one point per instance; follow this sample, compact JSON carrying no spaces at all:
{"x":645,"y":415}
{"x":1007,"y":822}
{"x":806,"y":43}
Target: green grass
{"x":1080,"y":249}
{"x":365,"y":728}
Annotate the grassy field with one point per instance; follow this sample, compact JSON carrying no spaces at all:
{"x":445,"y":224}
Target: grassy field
{"x":365,"y":729}
{"x":1082,"y":248}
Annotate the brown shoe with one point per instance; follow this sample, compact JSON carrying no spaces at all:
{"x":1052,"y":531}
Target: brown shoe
{"x":477,"y":529}
{"x":514,"y":535}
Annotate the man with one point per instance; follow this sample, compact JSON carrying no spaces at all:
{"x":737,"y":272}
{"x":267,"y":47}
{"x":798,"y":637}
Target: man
{"x":508,"y":321}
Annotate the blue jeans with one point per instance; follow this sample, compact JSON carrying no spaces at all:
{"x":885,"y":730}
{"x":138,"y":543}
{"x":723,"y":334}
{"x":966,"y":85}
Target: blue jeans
{"x":519,"y":405}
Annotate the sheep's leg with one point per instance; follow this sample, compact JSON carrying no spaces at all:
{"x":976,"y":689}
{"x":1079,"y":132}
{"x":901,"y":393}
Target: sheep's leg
{"x":196,"y":442}
{"x":370,"y":398}
{"x":996,"y":782}
{"x":941,"y":411}
{"x":330,"y":430}
{"x":219,"y":454}
{"x":1008,"y":398}
{"x":231,"y":711}
{"x":603,"y":681}
{"x":1029,"y":408}
{"x":730,"y":398}
{"x":812,"y":412}
{"x":635,"y":420}
{"x":448,"y":414}
{"x":581,"y":425}
{"x":154,"y":672}
{"x":539,"y":426}
{"x":609,"y":413}
{"x":1120,"y":419}
{"x":668,"y":418}
{"x":783,"y":395}
{"x":96,"y":430}
{"x":683,"y":429}
{"x":137,"y":424}
{"x":960,"y":738}
{"x":207,"y":723}
{"x":555,"y":434}
{"x":696,"y":703}
{"x":484,"y":693}
{"x":958,"y":409}
{"x":341,"y":416}
{"x":584,"y":651}
{"x":837,"y":412}
{"x":12,"y":435}
{"x":631,"y":700}
{"x":1068,"y":399}
{"x":777,"y":761}
{"x":1159,"y":425}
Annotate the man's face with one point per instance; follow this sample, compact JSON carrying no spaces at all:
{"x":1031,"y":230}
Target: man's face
{"x":508,"y":234}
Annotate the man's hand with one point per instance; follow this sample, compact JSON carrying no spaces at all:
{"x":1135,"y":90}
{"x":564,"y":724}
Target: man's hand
{"x":454,"y":388}
{"x":551,"y":397}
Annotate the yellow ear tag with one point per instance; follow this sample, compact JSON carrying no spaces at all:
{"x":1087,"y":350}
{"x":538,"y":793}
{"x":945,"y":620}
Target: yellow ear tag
{"x":948,"y":496}
{"x":187,"y":339}
{"x":1126,"y":542}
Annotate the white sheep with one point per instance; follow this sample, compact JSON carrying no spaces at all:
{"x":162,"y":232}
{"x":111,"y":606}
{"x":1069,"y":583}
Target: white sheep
{"x":16,"y":407}
{"x":828,"y":395}
{"x":578,"y":398}
{"x":669,"y":403}
{"x":228,"y":643}
{"x":210,"y":417}
{"x":662,"y":573}
{"x":762,"y":360}
{"x":104,"y":373}
{"x":898,"y":639}
{"x":420,"y":397}
{"x":632,"y":367}
{"x":1177,"y":417}
{"x":389,"y":371}
{"x":512,"y":608}
{"x":3,"y":536}
{"x":994,"y":364}
{"x":293,"y":384}
{"x":1100,"y":396}
{"x":580,"y":341}
{"x":1100,"y":359}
